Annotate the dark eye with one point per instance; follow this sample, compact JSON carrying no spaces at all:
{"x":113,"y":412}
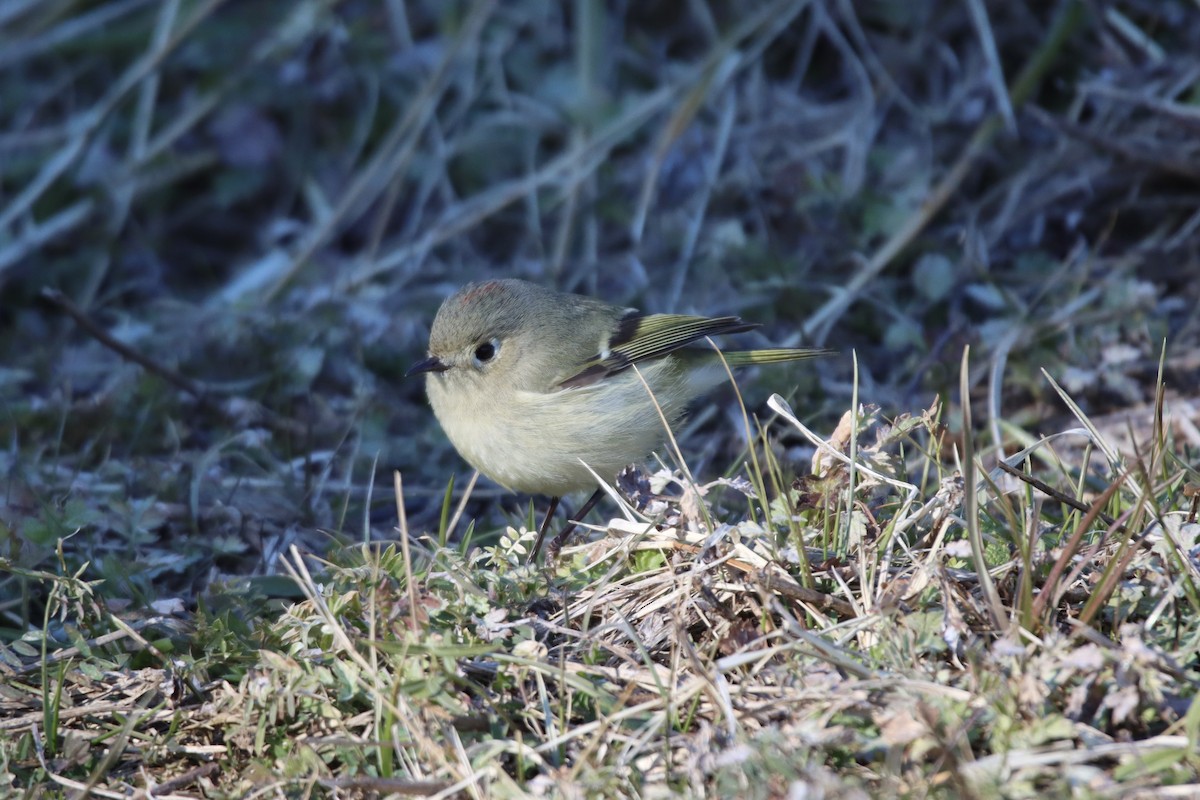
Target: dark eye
{"x":486,"y":351}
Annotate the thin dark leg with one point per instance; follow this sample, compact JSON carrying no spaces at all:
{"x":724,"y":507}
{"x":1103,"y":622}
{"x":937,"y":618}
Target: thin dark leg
{"x":537,"y":545}
{"x":561,"y":539}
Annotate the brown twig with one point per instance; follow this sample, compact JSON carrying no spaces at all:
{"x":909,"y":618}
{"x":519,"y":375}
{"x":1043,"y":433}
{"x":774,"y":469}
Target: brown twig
{"x":1161,"y":156}
{"x":202,"y":393}
{"x":1060,"y":564}
{"x":399,"y":786}
{"x":93,"y":328}
{"x":773,"y":580}
{"x":186,"y":779}
{"x":1047,"y":489}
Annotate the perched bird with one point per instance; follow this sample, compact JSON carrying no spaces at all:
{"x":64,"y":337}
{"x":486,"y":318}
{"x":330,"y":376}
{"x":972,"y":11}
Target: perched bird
{"x":530,"y":384}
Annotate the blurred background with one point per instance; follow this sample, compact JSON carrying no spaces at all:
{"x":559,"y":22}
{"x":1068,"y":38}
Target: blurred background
{"x":226,"y":226}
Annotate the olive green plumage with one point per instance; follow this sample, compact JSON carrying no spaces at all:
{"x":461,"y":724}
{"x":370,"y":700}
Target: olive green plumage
{"x":530,"y":384}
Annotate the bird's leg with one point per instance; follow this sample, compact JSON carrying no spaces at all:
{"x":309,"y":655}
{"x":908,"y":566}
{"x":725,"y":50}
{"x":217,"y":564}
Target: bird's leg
{"x":545,"y":526}
{"x":561,"y":539}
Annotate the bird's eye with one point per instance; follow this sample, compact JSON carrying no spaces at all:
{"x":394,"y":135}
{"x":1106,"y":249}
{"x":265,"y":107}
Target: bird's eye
{"x":487,"y":351}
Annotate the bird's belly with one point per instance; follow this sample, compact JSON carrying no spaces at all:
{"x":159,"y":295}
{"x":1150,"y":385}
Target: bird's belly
{"x":538,"y":442}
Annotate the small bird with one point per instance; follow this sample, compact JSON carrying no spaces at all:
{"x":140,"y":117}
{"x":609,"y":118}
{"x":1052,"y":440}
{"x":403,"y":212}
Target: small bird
{"x":531,"y":384}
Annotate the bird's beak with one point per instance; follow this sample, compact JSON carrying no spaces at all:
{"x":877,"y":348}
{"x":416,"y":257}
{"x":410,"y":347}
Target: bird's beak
{"x":431,"y":364}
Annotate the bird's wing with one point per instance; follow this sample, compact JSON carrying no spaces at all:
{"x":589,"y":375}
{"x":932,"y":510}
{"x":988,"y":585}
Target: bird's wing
{"x":639,"y":337}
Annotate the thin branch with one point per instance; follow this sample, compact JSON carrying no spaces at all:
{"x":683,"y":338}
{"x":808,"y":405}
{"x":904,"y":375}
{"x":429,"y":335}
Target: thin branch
{"x":97,"y":332}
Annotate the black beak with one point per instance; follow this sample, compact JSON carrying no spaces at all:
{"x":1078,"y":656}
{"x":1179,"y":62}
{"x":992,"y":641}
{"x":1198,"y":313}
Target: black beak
{"x":431,"y":364}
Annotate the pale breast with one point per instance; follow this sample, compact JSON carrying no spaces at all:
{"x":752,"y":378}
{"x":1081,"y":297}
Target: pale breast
{"x":534,"y":441}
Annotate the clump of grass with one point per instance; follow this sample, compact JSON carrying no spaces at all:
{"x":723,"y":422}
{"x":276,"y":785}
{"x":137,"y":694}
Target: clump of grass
{"x":708,"y":637}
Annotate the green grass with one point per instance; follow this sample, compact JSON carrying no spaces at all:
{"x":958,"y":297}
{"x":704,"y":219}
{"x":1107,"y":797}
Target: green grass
{"x":843,"y":640}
